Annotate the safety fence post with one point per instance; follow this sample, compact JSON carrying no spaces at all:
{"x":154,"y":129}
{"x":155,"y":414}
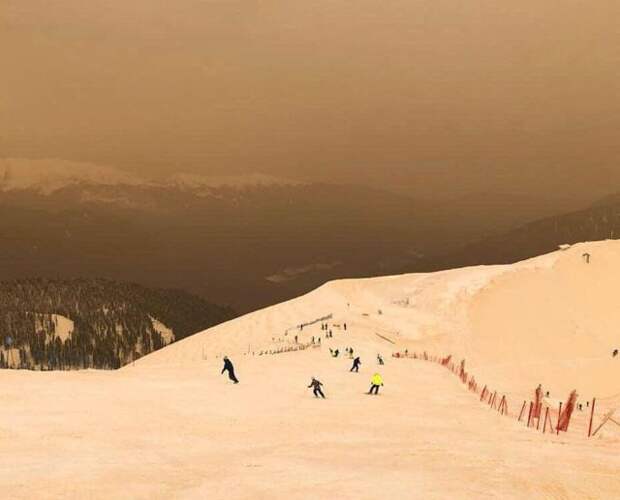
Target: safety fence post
{"x":522,"y":410}
{"x":591,"y":417}
{"x":546,"y":417}
{"x":483,"y":394}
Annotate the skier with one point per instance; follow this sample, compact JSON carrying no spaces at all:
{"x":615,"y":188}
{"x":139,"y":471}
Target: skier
{"x":228,"y":367}
{"x":375,"y":382}
{"x":316,"y":388}
{"x":380,"y":359}
{"x":356,"y":365}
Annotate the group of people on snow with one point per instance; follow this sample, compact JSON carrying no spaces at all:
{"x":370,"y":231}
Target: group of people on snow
{"x":375,"y":382}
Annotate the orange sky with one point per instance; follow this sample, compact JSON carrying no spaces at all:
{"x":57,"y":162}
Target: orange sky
{"x":453,"y":96}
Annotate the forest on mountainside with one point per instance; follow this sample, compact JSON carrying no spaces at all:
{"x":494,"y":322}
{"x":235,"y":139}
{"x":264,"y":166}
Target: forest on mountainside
{"x":48,"y":324}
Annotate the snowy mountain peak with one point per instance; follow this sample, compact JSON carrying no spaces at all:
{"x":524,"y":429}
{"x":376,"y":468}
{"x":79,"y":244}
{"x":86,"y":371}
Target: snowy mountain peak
{"x":197,"y":182}
{"x":49,"y":176}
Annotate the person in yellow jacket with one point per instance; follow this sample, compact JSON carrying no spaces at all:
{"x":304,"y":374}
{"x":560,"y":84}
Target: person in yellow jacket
{"x":376,"y":381}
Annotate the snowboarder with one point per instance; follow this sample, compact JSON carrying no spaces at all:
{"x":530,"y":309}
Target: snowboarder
{"x":356,"y":365}
{"x":376,"y":382}
{"x":228,"y":367}
{"x":316,"y":388}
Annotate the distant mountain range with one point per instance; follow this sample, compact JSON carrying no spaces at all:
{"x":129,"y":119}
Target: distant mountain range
{"x":246,"y":241}
{"x":601,"y":221}
{"x":49,"y":176}
{"x":94,"y":323}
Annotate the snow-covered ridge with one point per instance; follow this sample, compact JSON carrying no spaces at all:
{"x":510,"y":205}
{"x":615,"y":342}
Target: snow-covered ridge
{"x":48,"y":176}
{"x":196,"y":182}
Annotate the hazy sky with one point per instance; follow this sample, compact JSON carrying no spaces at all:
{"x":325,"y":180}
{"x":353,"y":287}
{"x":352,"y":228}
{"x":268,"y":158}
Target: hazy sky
{"x":459,"y":95}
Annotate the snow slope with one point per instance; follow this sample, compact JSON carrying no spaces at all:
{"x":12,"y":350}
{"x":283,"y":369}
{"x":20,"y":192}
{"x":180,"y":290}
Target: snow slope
{"x":171,"y":426}
{"x":552,"y":319}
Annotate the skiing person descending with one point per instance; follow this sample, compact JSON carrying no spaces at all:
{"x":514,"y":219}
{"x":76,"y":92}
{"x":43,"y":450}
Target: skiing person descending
{"x":228,"y":367}
{"x":376,"y":382}
{"x":380,"y":359}
{"x":356,"y":365}
{"x":316,"y":388}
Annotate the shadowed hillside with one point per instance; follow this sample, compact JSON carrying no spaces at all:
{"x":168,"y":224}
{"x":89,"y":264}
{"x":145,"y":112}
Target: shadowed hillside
{"x":601,"y":221}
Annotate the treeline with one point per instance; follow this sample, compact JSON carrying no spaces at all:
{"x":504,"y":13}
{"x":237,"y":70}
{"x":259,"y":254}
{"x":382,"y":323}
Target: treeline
{"x":88,"y":323}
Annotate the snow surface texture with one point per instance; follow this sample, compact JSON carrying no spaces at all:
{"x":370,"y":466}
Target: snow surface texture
{"x":63,"y":327}
{"x":166,"y":333}
{"x":172,"y":427}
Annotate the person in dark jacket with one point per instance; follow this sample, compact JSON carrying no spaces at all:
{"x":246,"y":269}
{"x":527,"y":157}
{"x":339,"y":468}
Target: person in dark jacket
{"x":356,"y":365}
{"x":316,"y":388}
{"x":228,"y":367}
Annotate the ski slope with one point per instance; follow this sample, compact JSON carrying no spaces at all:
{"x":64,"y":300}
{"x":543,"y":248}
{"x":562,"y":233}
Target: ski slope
{"x":170,"y":426}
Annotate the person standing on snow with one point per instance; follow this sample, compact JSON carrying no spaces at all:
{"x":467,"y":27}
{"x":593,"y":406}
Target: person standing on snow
{"x":356,"y":365}
{"x":316,"y":388}
{"x":376,"y":382}
{"x":228,"y":367}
